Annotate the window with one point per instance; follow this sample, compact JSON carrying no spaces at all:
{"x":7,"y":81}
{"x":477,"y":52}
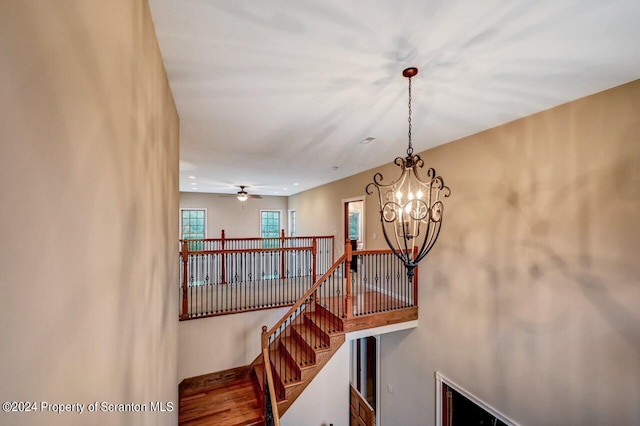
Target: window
{"x":354,"y":226}
{"x":270,"y":227}
{"x":292,"y":223}
{"x":193,"y":225}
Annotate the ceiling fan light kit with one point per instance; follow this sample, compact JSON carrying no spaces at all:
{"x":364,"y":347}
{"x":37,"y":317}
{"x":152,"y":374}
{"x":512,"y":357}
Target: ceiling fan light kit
{"x":242,"y":195}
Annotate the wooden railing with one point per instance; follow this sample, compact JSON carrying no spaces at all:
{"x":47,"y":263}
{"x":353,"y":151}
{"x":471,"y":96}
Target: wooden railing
{"x":379,"y":280}
{"x":229,"y":275}
{"x":271,"y":415}
{"x":358,"y":283}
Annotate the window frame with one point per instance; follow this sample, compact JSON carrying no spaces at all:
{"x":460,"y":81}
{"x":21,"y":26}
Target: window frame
{"x":292,"y":222}
{"x":262,"y":211}
{"x":180,"y":222}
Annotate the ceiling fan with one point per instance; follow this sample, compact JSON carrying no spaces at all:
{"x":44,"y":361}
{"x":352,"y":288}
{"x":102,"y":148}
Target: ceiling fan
{"x":243,"y":195}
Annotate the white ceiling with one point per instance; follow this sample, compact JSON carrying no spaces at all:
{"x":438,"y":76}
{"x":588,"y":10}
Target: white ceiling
{"x":276,"y":92}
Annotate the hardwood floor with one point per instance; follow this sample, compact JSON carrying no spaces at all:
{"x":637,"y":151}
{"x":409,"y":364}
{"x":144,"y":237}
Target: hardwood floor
{"x":227,"y":398}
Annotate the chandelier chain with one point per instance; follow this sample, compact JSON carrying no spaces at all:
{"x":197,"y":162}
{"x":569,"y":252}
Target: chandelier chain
{"x":410,"y":148}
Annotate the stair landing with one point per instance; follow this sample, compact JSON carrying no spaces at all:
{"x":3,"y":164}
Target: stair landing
{"x":228,"y":397}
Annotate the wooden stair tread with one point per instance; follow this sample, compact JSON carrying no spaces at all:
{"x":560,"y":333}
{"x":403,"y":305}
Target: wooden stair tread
{"x":208,"y":382}
{"x":326,"y":321}
{"x":299,"y":352}
{"x":283,"y":369}
{"x":312,"y":336}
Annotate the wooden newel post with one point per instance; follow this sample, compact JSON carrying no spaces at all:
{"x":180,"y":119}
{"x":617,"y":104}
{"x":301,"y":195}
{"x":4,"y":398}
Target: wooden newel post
{"x":185,"y":280}
{"x":347,"y":274}
{"x":264,"y":339}
{"x":282,"y":241}
{"x":224,"y":258}
{"x":314,"y":257}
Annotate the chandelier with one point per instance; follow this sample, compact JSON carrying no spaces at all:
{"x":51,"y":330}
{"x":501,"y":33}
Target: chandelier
{"x":411,"y":206}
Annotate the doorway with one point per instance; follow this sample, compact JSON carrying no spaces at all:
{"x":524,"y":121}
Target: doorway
{"x":364,"y":381}
{"x":455,"y":406}
{"x":353,"y":221}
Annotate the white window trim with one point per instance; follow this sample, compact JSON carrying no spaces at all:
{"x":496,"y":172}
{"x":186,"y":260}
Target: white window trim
{"x":280,"y":228}
{"x":363,"y":219}
{"x":206,"y":220}
{"x":289,"y":221}
{"x":440,"y":379}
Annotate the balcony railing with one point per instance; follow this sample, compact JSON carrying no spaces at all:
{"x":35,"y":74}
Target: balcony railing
{"x":229,"y":275}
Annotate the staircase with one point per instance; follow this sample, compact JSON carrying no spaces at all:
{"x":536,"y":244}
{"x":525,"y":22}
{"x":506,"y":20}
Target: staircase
{"x":302,"y":351}
{"x":296,"y":348}
{"x":234,"y":397}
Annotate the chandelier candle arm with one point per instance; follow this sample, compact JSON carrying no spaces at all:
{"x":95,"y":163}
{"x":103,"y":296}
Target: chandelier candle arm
{"x":411,"y":208}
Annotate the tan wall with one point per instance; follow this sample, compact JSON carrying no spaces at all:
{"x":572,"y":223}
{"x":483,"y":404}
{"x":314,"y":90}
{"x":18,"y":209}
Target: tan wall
{"x":89,"y":193}
{"x":222,"y":342}
{"x":238,"y":219}
{"x":530,"y":299}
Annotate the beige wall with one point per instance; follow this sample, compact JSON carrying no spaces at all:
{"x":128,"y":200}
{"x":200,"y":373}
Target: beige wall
{"x":222,"y":342}
{"x":238,"y":219}
{"x":89,"y":194}
{"x":530,"y":299}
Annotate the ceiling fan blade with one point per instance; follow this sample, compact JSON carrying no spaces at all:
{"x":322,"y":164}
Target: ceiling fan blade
{"x":255,"y":196}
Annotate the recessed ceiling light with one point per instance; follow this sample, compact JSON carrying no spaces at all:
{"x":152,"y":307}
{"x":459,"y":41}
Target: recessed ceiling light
{"x":367,"y":141}
{"x":193,"y":183}
{"x":295,"y":184}
{"x":192,"y":177}
{"x":284,"y":189}
{"x":277,"y":192}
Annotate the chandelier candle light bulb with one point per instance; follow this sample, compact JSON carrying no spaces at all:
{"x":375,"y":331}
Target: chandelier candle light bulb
{"x":411,"y":208}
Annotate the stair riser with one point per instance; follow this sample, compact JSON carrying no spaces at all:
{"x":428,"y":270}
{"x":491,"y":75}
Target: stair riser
{"x":334,"y":323}
{"x":323,"y":337}
{"x":284,"y":371}
{"x":302,"y":342}
{"x":299,"y":351}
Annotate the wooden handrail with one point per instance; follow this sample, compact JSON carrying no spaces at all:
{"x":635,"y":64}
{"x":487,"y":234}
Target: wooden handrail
{"x":368,"y":252}
{"x":258,"y":238}
{"x":269,"y":382}
{"x":307,"y":295}
{"x":256,"y":250}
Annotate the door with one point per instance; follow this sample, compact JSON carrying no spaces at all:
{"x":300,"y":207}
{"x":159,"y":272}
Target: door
{"x":364,"y":381}
{"x":361,"y":413}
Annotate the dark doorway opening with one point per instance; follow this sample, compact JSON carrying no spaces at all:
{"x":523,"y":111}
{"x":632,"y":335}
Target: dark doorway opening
{"x":458,"y":410}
